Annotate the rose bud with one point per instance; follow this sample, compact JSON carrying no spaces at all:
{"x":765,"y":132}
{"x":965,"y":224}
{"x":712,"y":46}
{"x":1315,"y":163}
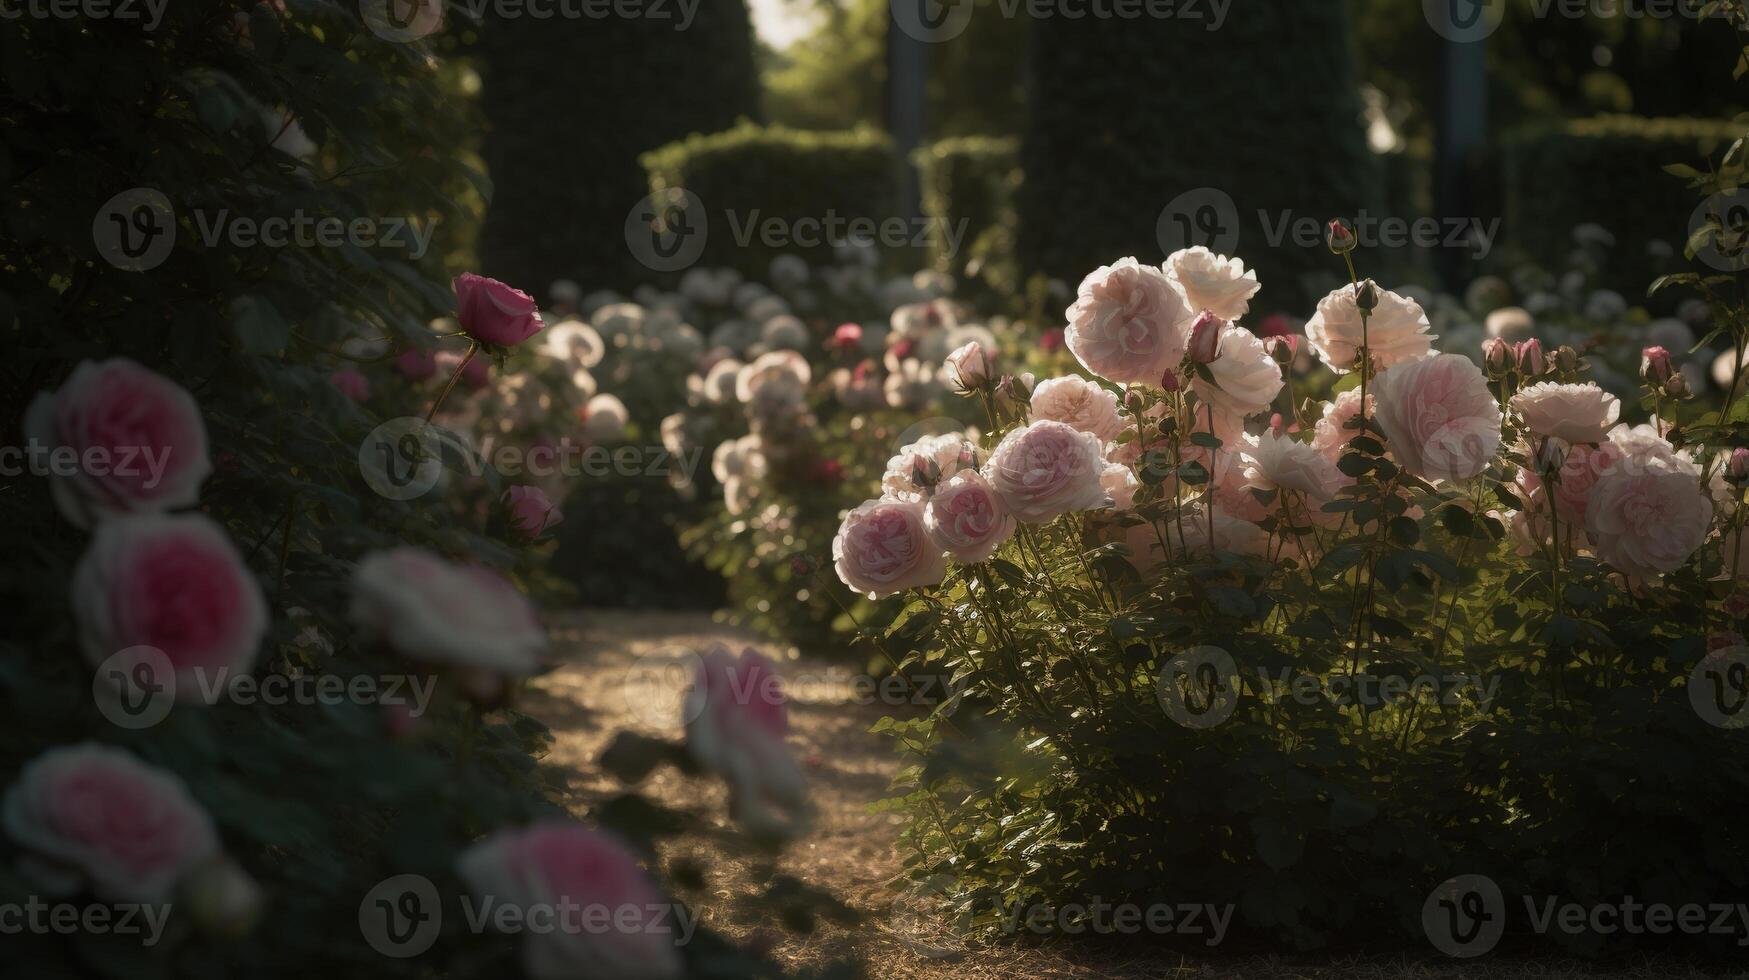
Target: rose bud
{"x":531,"y":511}
{"x":1497,"y":357}
{"x":1282,"y":348}
{"x":968,"y":457}
{"x":925,"y":472}
{"x":1566,"y":360}
{"x":1676,"y":386}
{"x":848,"y":336}
{"x":970,"y":368}
{"x":1014,"y":394}
{"x":1051,"y":340}
{"x":1655,"y":366}
{"x":1737,"y":467}
{"x":495,"y":314}
{"x":1205,"y":338}
{"x":1169,"y":380}
{"x":1340,"y":237}
{"x":1529,"y":354}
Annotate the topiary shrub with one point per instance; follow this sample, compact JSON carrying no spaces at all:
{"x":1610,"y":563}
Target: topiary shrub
{"x":769,"y":191}
{"x":971,"y":180}
{"x":1608,"y":170}
{"x":571,"y":106}
{"x":1128,"y":115}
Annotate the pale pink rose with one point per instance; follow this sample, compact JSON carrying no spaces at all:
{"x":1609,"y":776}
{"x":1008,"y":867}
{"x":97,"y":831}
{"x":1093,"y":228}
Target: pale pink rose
{"x":1331,"y":434}
{"x":431,"y":610}
{"x":1247,"y":379}
{"x":351,"y":383}
{"x":1231,"y":535}
{"x":1579,"y":473}
{"x":1047,"y":469}
{"x":609,"y":918}
{"x":1120,"y":485}
{"x":784,"y":368}
{"x":417,"y":364}
{"x":1079,"y":403}
{"x":173,"y":583}
{"x":604,"y":419}
{"x":720,"y":382}
{"x":1396,"y":332}
{"x":882,"y":549}
{"x":1646,"y":521}
{"x":1442,"y":421}
{"x":91,"y":816}
{"x":966,"y":519}
{"x":1573,"y":413}
{"x":531,"y":511}
{"x":493,"y":313}
{"x":933,"y":458}
{"x":135,"y":440}
{"x":736,"y":717}
{"x":1642,"y":446}
{"x":576,"y":343}
{"x":1278,"y":461}
{"x":740,"y":459}
{"x":969,"y":367}
{"x":1128,"y":323}
{"x":1213,"y":282}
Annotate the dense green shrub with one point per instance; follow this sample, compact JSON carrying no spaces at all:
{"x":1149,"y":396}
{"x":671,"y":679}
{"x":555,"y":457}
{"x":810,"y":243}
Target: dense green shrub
{"x":970,"y":180}
{"x":802,"y":184}
{"x":1128,"y":115}
{"x":1607,"y":171}
{"x":571,"y":105}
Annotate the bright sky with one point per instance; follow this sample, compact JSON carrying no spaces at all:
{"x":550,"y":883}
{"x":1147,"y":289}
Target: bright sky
{"x":780,"y":22}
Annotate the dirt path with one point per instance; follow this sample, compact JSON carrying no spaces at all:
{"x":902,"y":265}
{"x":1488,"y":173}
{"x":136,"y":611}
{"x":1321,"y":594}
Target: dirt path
{"x":622,"y":671}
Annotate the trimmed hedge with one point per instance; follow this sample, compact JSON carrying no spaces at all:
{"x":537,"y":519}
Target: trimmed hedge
{"x":753,"y":179}
{"x":571,"y":105}
{"x":1129,"y":114}
{"x":1607,"y":170}
{"x":971,"y":179}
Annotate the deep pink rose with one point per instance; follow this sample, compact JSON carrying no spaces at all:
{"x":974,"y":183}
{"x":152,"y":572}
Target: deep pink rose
{"x":93,"y":816}
{"x":493,"y":313}
{"x":351,"y":384}
{"x":736,"y":716}
{"x":174,"y":583}
{"x":608,"y":917}
{"x":531,"y":511}
{"x":120,"y":439}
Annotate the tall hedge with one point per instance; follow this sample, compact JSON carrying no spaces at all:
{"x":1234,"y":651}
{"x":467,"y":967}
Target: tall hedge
{"x":801,"y":184}
{"x":1608,"y":170}
{"x":570,"y":106}
{"x":1128,"y":114}
{"x":971,"y":180}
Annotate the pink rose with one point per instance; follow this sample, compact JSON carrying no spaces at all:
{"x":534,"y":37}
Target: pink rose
{"x":608,"y":917}
{"x":969,"y":367}
{"x":1080,"y":404}
{"x":493,"y":313}
{"x":1213,"y":282}
{"x":1396,"y":331}
{"x":881,"y":549}
{"x":1047,"y":469}
{"x":933,"y":458}
{"x":174,"y":583}
{"x":1573,"y":413}
{"x":1442,"y":421}
{"x":417,"y":364}
{"x":430,"y":610}
{"x":1128,"y":323}
{"x":531,"y":511}
{"x":91,"y":815}
{"x":1331,"y":434}
{"x":1120,"y":485}
{"x":736,"y":718}
{"x":1647,"y":520}
{"x":1246,"y":377}
{"x":352,"y":384}
{"x":966,"y":519}
{"x":136,"y":441}
{"x":1204,"y":344}
{"x":1578,"y":478}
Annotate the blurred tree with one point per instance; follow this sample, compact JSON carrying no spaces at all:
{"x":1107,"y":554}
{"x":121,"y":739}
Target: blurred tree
{"x":571,"y":104}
